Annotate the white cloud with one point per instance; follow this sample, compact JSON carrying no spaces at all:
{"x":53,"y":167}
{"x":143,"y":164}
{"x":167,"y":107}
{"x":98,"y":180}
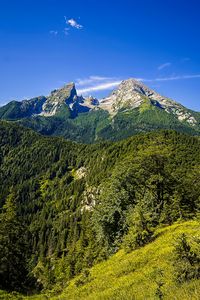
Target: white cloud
{"x":99,"y":87}
{"x":98,"y":83}
{"x":73,"y":23}
{"x":165,"y":65}
{"x":70,"y":23}
{"x":170,"y":78}
{"x":53,"y":32}
{"x":93,"y":80}
{"x":179,"y":77}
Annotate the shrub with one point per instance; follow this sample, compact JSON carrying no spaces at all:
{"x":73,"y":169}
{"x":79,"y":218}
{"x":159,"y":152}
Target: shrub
{"x":187,"y":259}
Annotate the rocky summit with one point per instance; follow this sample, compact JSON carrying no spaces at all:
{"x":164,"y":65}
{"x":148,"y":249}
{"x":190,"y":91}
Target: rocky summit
{"x":131,"y":108}
{"x":66,"y":95}
{"x":132,"y":93}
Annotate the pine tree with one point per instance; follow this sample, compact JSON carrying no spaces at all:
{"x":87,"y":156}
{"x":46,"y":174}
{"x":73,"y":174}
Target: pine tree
{"x":13,"y":249}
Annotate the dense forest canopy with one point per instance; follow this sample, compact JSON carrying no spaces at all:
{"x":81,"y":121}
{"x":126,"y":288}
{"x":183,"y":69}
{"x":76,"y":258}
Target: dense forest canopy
{"x":65,"y":206}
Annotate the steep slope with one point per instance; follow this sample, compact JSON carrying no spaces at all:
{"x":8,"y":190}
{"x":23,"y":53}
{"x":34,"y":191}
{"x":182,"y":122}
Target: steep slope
{"x":16,"y":110}
{"x":77,"y":203}
{"x":61,"y":102}
{"x":132,"y":94}
{"x":130,"y":109}
{"x":146,"y":273}
{"x":63,"y":98}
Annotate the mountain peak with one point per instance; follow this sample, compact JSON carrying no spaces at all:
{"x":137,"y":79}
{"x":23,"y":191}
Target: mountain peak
{"x":65,"y":95}
{"x":67,"y":91}
{"x":132,"y":81}
{"x":131,"y":94}
{"x":69,"y":86}
{"x":135,"y":86}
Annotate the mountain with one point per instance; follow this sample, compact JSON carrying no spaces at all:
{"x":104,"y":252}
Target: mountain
{"x":132,"y":94}
{"x":107,"y":219}
{"x":15,"y":110}
{"x":130,"y":109}
{"x":67,"y":206}
{"x":58,"y":102}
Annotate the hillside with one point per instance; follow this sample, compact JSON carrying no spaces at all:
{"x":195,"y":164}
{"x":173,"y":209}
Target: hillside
{"x":140,"y":274}
{"x":145,"y":273}
{"x":67,"y":206}
{"x":130,"y":109}
{"x":99,"y":150}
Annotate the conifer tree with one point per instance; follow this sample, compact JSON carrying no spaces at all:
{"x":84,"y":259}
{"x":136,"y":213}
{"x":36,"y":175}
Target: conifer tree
{"x":13,"y":248}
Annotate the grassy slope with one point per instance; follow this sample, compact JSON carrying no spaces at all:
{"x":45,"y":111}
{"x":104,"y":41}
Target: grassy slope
{"x":134,"y":275}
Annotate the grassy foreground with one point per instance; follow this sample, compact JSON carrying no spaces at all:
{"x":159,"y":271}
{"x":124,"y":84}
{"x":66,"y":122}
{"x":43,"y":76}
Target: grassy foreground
{"x":146,"y":273}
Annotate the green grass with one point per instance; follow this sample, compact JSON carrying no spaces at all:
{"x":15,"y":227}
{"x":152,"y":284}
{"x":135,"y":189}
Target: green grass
{"x":146,"y":105}
{"x":134,"y":275}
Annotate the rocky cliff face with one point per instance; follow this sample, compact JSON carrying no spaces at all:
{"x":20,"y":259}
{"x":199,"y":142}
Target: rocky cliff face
{"x":132,"y":94}
{"x":64,"y":96}
{"x":129,"y":94}
{"x":68,"y":97}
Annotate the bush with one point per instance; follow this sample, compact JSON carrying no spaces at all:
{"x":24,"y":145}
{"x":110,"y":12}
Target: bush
{"x":187,"y":259}
{"x":140,"y":230}
{"x":83,"y":278}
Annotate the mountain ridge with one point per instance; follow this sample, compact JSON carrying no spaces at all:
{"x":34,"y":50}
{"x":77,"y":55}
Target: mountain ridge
{"x":78,"y":204}
{"x":133,"y":92}
{"x":131,"y":108}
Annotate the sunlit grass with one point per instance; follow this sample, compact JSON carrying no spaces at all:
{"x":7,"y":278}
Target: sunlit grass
{"x":136,"y":275}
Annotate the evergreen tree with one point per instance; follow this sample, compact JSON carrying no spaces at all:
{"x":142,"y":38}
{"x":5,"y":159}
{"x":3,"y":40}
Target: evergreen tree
{"x":186,"y":259}
{"x":13,"y":249}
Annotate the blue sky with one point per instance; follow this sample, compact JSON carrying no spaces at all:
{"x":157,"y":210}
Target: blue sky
{"x":47,"y":43}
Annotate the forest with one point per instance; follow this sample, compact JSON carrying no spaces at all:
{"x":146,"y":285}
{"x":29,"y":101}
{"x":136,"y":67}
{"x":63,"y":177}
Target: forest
{"x":66,"y":207}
